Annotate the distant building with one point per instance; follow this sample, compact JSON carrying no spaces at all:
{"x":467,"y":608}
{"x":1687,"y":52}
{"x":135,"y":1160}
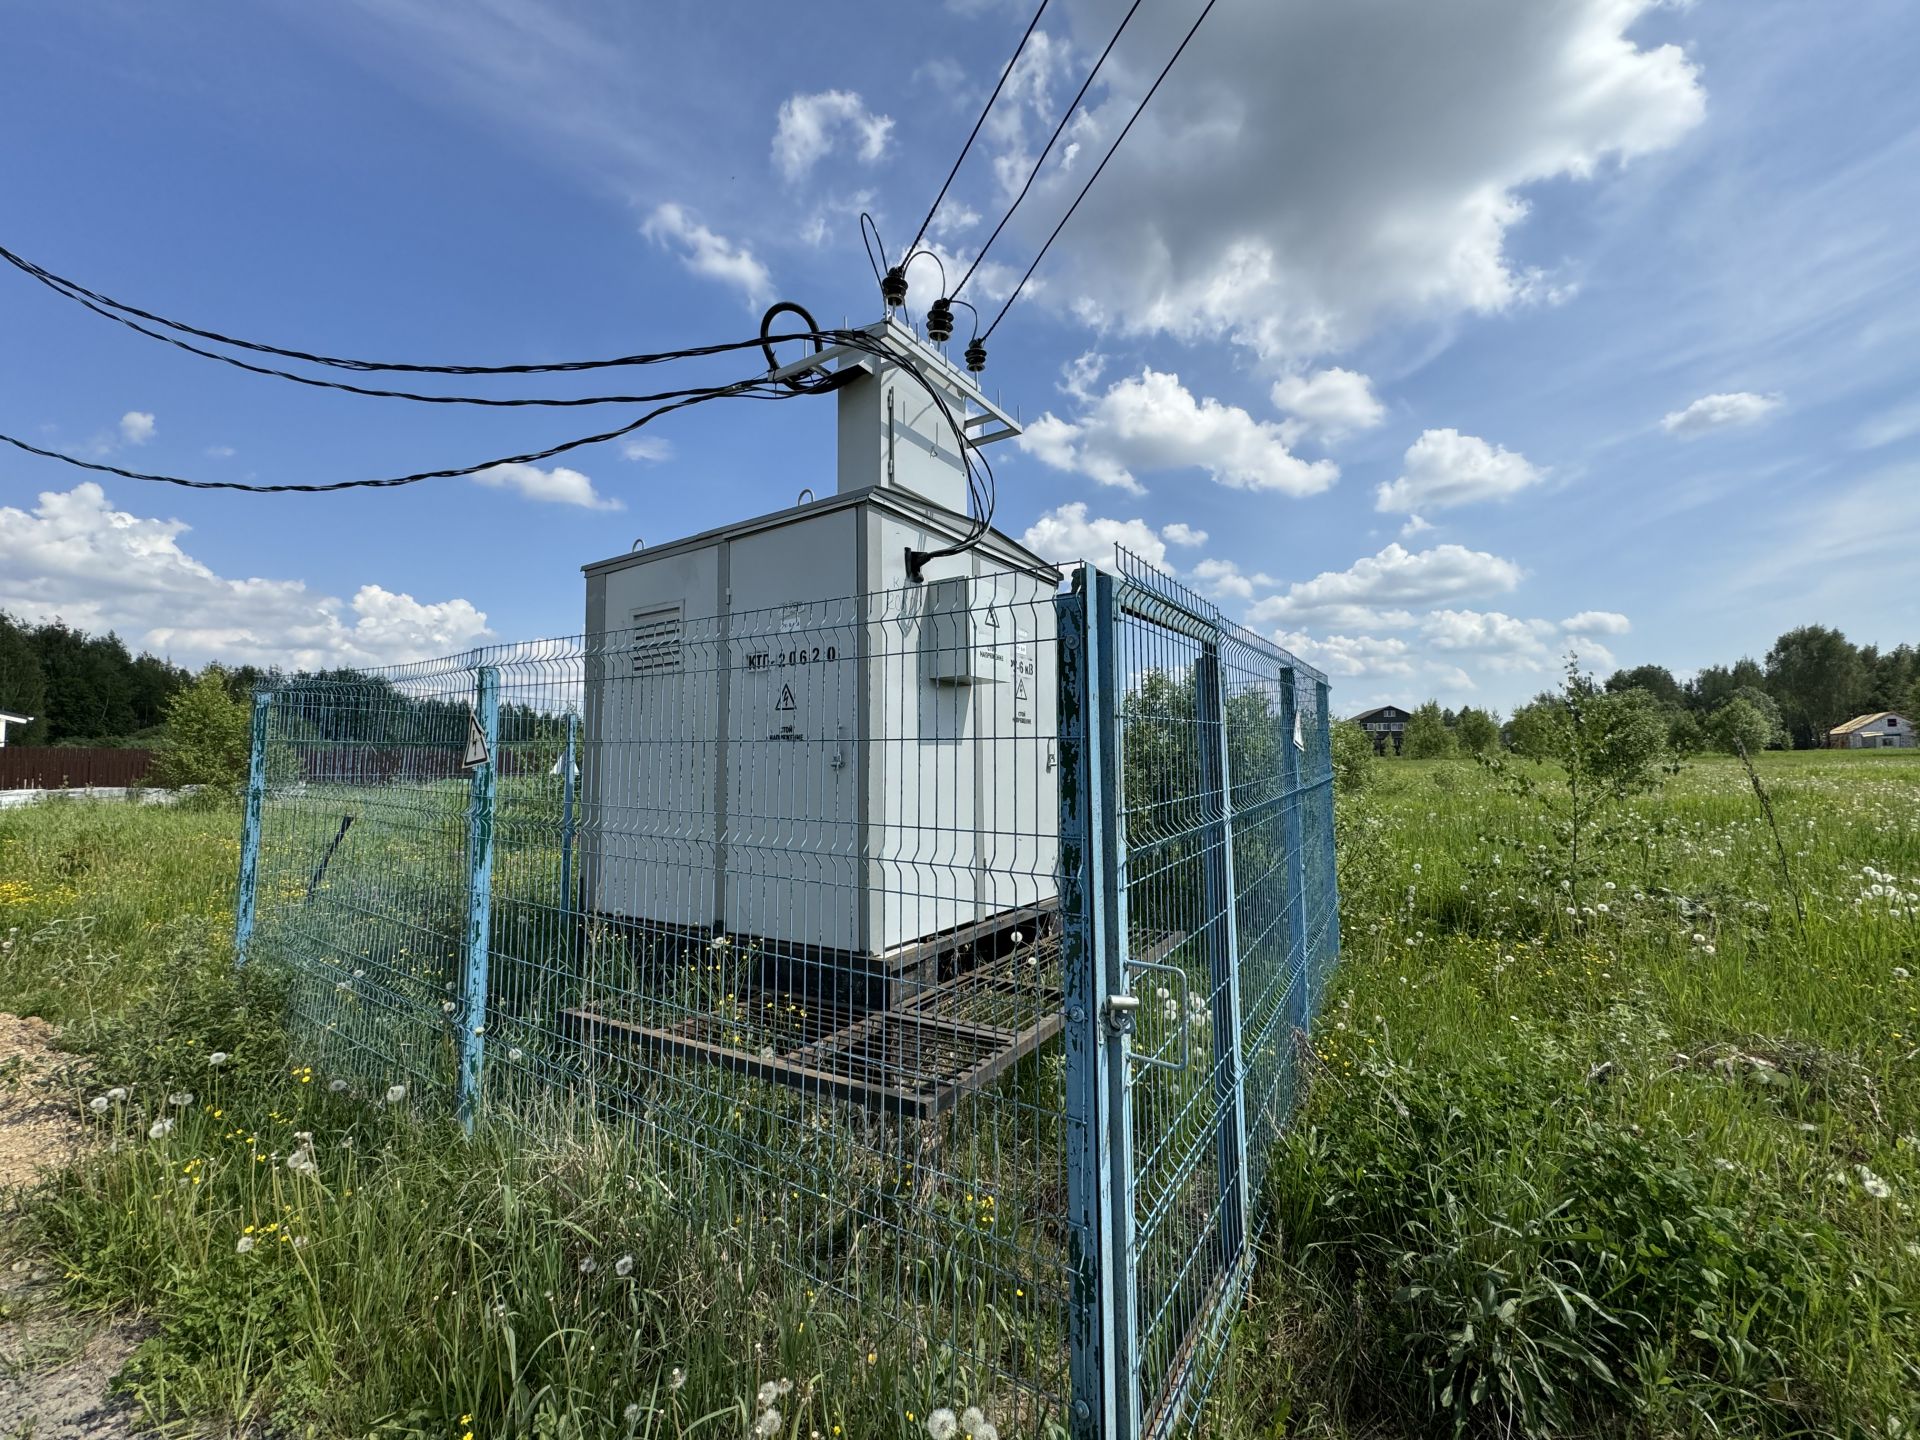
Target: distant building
{"x":8,"y":718}
{"x":1882,"y":730}
{"x":1387,"y":724}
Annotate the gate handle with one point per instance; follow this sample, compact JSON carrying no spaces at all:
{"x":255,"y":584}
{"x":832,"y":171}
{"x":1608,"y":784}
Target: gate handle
{"x":1185,"y":1021}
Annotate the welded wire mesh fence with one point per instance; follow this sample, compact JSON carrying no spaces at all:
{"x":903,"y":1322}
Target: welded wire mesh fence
{"x":950,"y":943}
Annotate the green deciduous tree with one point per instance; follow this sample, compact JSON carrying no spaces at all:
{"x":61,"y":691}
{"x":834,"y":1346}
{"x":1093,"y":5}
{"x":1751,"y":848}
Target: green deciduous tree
{"x":1656,"y":680}
{"x":205,"y":742}
{"x":1739,"y":725}
{"x":1428,"y":737}
{"x":1353,"y":758}
{"x":23,"y":687}
{"x":1477,"y":731}
{"x":1816,"y":675}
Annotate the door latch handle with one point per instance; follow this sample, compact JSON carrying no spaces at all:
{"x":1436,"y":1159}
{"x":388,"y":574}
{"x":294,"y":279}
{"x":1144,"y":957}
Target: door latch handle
{"x":1120,"y":1012}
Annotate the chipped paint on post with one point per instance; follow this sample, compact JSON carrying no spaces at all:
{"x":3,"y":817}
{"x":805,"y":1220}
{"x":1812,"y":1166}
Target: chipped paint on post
{"x":473,"y":1013}
{"x":243,"y":905}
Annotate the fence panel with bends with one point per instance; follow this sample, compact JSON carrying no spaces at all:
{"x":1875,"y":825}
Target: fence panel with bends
{"x":950,"y":942}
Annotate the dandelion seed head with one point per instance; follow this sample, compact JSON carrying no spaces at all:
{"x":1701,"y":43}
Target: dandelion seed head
{"x":632,"y":1413}
{"x":971,"y":1419}
{"x":768,"y":1424}
{"x":769,"y":1393}
{"x":396,"y":1093}
{"x":588,"y":1265}
{"x":337,"y":1086}
{"x":218,"y":1058}
{"x":180,"y":1099}
{"x":677,"y":1378}
{"x":245,"y":1244}
{"x":98,"y":1104}
{"x":942,"y":1424}
{"x":623,"y":1267}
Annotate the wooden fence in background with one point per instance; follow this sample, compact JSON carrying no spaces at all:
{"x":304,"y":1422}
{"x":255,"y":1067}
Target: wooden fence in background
{"x":62,"y":767}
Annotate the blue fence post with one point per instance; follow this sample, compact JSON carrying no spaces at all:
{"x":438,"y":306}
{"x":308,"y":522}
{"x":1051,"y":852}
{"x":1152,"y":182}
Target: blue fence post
{"x":1293,"y":783}
{"x":566,"y":817}
{"x":250,"y":829}
{"x":480,"y":807}
{"x":1324,"y":733}
{"x":1223,"y":946}
{"x":1102,"y":1324}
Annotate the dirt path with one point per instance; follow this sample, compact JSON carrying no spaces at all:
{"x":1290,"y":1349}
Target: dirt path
{"x":54,"y":1369}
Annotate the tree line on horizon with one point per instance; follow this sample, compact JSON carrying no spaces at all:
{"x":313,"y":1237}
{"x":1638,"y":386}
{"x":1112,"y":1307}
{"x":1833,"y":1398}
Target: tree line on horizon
{"x":1812,"y":679}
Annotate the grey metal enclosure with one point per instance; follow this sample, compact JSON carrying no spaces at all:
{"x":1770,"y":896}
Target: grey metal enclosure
{"x":804,"y":736}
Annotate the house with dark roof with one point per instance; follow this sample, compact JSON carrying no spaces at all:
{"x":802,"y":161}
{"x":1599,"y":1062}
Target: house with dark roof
{"x":1387,"y":725}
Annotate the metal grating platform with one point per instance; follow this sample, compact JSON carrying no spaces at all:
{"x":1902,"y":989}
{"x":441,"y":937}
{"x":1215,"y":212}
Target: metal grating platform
{"x":915,"y":1058}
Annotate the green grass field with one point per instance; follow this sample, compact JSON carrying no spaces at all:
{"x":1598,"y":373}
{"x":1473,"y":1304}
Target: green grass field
{"x":1621,"y":1145}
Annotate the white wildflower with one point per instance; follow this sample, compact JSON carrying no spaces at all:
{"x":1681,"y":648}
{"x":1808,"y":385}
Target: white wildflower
{"x":180,"y":1099}
{"x":98,"y":1104}
{"x":160,"y":1129}
{"x":246,"y":1244}
{"x":117,"y":1093}
{"x":942,"y":1424}
{"x":588,"y":1265}
{"x":1872,"y":1183}
{"x":677,"y":1379}
{"x":395,"y":1094}
{"x":218,"y":1058}
{"x":623,"y":1267}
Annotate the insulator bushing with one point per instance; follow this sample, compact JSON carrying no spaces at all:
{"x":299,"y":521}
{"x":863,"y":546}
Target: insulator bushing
{"x":976,"y":357}
{"x":940,"y":321}
{"x":893,"y":289}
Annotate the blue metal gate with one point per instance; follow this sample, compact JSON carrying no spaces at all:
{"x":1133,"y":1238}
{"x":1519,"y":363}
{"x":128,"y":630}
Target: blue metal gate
{"x":1200,"y":920}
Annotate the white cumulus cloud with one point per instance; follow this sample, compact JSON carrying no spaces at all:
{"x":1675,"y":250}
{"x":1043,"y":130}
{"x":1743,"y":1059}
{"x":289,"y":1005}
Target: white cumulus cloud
{"x":1284,"y":193}
{"x":1153,"y":422}
{"x":558,"y":486}
{"x":810,"y":126}
{"x":1330,"y":403}
{"x":136,"y":427}
{"x":76,"y":557}
{"x":1597,"y":622}
{"x":1066,"y":533}
{"x":709,"y":254}
{"x":1444,"y":468}
{"x":1718,"y":412}
{"x":1384,"y":589}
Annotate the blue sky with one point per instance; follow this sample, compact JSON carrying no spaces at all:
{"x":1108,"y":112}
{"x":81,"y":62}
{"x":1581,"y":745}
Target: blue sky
{"x":1436,"y":340}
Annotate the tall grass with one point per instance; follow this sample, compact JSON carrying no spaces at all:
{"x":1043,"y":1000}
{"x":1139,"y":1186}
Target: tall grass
{"x":1646,"y":1168}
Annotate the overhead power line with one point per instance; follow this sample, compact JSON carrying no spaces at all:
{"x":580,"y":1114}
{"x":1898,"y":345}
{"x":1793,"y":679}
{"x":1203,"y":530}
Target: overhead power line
{"x":974,"y":134}
{"x":1045,"y":150}
{"x":73,"y":290}
{"x":1112,"y":150}
{"x":981,"y":488}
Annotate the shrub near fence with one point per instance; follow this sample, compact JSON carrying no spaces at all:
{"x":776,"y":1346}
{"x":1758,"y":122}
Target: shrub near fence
{"x":70,"y":767}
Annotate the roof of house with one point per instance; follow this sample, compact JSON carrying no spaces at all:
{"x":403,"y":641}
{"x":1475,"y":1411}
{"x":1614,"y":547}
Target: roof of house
{"x":8,"y":715}
{"x":1860,"y":722}
{"x":1388,"y":710}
